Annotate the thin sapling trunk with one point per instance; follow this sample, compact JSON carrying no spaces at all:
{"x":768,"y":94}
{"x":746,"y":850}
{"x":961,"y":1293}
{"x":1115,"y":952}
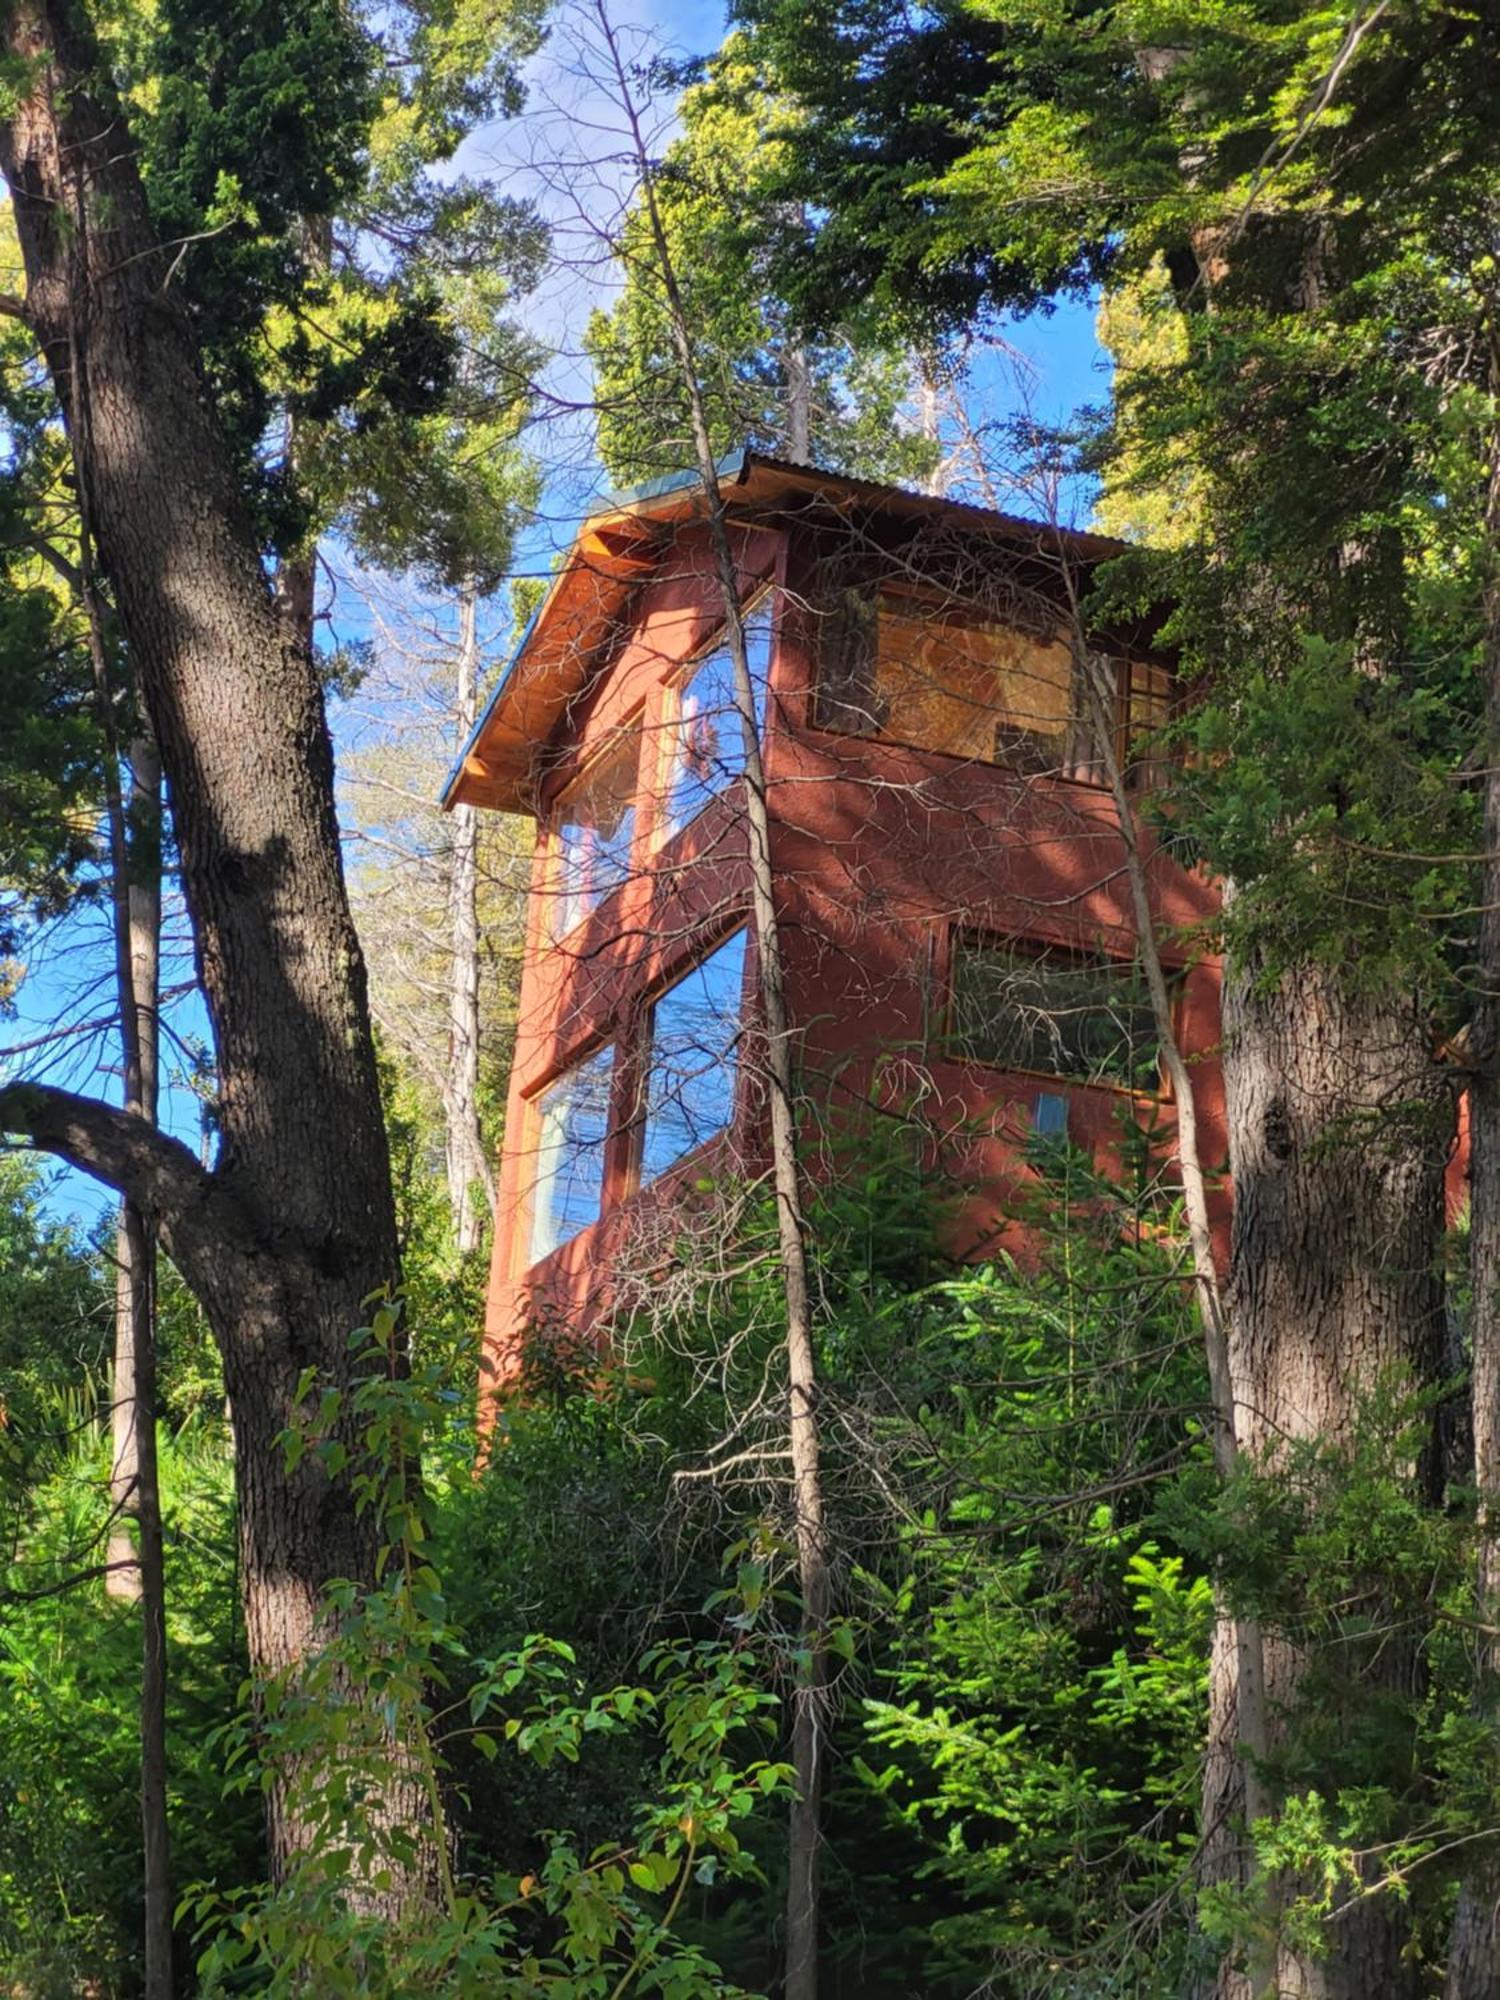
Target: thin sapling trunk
{"x":811,"y":1697}
{"x":467,"y":1171}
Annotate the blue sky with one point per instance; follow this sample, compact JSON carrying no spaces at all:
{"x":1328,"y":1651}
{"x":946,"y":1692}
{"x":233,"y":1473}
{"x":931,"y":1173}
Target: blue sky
{"x":568,"y":154}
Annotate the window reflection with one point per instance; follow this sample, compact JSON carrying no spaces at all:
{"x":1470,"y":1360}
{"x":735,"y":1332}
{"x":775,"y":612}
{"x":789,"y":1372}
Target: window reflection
{"x":574,"y":1125}
{"x":708,"y":749}
{"x":1054,"y":1012}
{"x":595,"y":831}
{"x":693,"y":1059}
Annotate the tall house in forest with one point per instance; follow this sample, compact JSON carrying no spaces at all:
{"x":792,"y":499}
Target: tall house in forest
{"x":946,"y":858}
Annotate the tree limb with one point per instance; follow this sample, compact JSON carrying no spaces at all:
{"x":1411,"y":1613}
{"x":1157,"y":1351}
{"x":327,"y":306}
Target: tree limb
{"x":155,"y":1171}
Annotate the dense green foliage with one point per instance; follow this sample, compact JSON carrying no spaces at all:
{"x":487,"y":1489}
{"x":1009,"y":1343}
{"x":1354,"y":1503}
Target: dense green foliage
{"x":753,"y":361}
{"x":1318,"y":377}
{"x":1026,"y":1519}
{"x":584,"y":1645}
{"x":1016,"y":1677}
{"x":347,"y":291}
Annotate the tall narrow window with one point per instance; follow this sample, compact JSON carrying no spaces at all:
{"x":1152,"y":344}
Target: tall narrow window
{"x":1054,"y":1012}
{"x":693,"y":1061}
{"x":595,"y":832}
{"x":574,"y":1125}
{"x":1149,"y":710}
{"x":708,"y":747}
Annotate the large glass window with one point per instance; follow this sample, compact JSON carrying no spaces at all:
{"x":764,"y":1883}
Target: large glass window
{"x":594,"y":830}
{"x":1055,"y":1012}
{"x":693,"y":1058}
{"x":708,"y":745}
{"x":573,"y":1128}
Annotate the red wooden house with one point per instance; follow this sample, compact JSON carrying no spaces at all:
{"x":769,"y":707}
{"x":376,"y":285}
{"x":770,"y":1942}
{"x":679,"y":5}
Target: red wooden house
{"x":947,"y":862}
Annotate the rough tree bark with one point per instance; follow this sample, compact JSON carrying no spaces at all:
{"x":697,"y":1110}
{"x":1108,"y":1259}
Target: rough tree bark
{"x":1474,"y":1950}
{"x":1340,"y":1120}
{"x":809,"y":1719}
{"x":285,"y":1238}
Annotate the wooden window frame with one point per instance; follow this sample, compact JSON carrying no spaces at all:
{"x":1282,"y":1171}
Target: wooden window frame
{"x":669,"y":716}
{"x":634,"y":722}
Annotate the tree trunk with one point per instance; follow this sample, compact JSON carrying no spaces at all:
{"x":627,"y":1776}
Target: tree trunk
{"x":1340,"y":1122}
{"x":798,"y":402}
{"x":136,"y":841}
{"x":929,"y":417}
{"x":1474,"y":1953}
{"x":1241,"y":1735}
{"x":296,"y":584}
{"x":465,"y":1142}
{"x":284,"y":1241}
{"x":811,"y":1698}
{"x":135,"y":1489}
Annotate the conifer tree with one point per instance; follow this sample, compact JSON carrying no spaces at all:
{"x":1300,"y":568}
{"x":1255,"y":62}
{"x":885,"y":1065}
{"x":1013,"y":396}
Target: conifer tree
{"x":1323,"y":392}
{"x":837,"y":400}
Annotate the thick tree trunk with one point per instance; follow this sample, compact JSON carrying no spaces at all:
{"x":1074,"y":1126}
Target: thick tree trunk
{"x":1340,"y":1123}
{"x":1474,"y":1954}
{"x":283,"y":1242}
{"x":465,"y":1142}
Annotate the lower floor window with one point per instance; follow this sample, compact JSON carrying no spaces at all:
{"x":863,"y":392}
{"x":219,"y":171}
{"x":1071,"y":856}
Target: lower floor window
{"x":1054,"y":1012}
{"x":574,"y":1126}
{"x":692,"y":1060}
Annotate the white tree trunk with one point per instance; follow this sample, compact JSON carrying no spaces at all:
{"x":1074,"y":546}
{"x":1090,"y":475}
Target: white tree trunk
{"x":467,"y":1177}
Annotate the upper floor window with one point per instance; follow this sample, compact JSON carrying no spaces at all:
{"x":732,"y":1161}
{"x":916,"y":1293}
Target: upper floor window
{"x":1054,"y":1012}
{"x":594,"y":832}
{"x":692,"y":1060}
{"x":938,"y":679}
{"x":572,"y":1132}
{"x":707,"y":734}
{"x":1148,"y":710}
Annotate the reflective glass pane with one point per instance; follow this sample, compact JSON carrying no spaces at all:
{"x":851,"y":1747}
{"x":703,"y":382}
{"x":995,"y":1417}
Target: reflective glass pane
{"x":595,"y":828}
{"x":1088,"y":1018}
{"x":708,"y":752}
{"x":574,"y":1125}
{"x":690,"y":1080}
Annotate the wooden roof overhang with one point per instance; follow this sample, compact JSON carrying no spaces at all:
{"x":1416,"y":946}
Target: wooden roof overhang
{"x":574,"y":630}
